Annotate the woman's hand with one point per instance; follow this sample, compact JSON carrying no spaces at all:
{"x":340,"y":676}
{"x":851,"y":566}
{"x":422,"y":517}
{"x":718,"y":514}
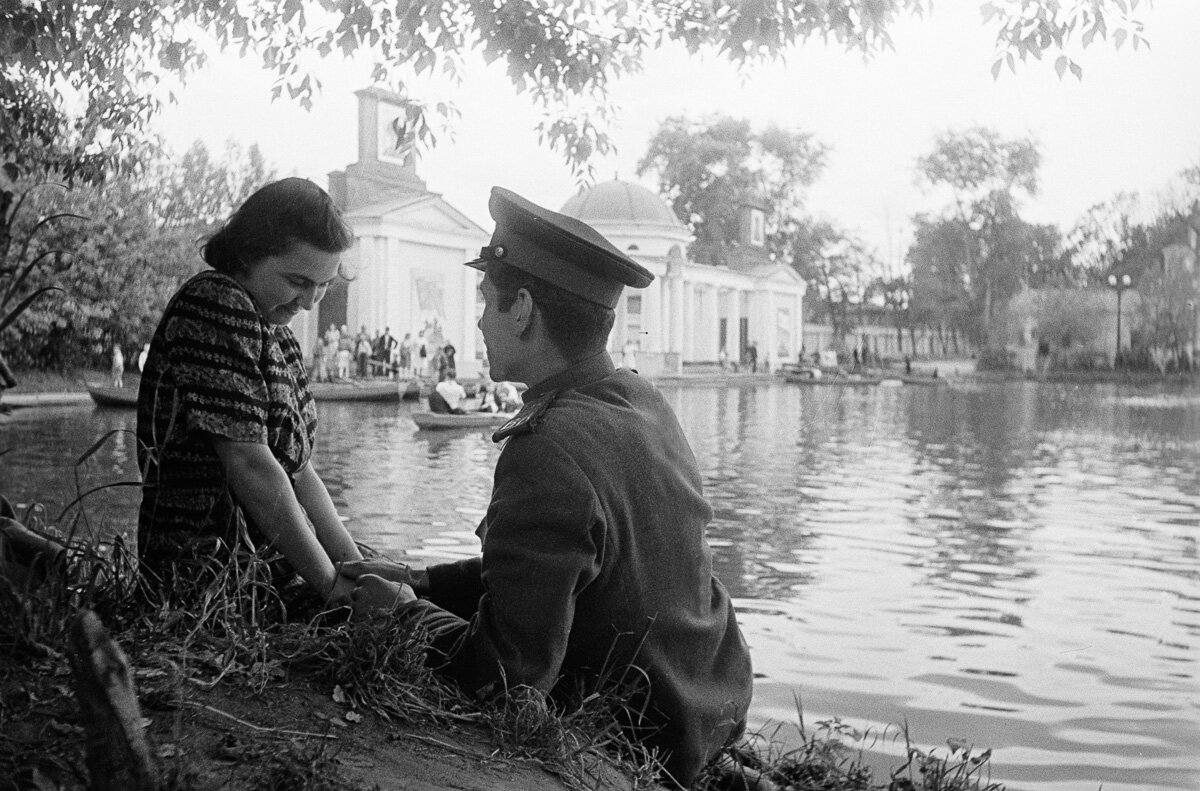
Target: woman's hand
{"x":388,"y":570}
{"x":339,"y":594}
{"x":375,"y":597}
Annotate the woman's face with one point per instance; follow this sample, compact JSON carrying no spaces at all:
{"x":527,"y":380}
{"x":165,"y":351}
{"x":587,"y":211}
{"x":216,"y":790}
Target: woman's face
{"x":283,"y":285}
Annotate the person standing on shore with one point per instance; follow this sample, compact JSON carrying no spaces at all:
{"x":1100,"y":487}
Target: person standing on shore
{"x":118,"y":366}
{"x":406,"y":354}
{"x":594,"y":572}
{"x":226,"y":422}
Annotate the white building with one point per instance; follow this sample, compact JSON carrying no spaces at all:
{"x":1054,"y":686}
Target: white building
{"x":411,"y":246}
{"x":691,"y":311}
{"x":407,"y":261}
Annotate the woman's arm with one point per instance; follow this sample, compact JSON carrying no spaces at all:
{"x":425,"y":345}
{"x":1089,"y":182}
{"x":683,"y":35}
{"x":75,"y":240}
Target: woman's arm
{"x":263,"y":489}
{"x":314,"y":497}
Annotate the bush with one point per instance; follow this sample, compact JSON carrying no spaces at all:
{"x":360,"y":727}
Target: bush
{"x":996,"y":359}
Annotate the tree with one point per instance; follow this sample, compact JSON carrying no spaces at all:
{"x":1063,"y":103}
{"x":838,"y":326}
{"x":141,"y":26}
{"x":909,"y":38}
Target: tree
{"x":983,"y":174}
{"x":895,"y":290}
{"x":109,"y":57}
{"x":1099,"y":238}
{"x":135,"y":239}
{"x":941,"y":295}
{"x":710,"y":169}
{"x":836,"y":265}
{"x":1167,"y":286}
{"x":199,"y":191}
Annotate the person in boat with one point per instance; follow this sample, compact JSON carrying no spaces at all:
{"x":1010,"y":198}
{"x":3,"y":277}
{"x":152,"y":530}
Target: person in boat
{"x":226,"y":422}
{"x":447,"y":395}
{"x":595,"y":573}
{"x":506,"y":396}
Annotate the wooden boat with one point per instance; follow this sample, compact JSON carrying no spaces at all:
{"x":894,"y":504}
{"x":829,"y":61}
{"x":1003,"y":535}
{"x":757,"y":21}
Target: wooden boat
{"x":382,"y":390}
{"x":105,"y":395}
{"x":923,"y":379}
{"x":810,"y":377}
{"x":434,"y":420}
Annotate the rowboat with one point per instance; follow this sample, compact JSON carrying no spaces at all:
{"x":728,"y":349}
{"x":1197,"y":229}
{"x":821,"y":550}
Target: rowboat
{"x":436,"y":420}
{"x":922,"y":379}
{"x":386,"y":390}
{"x":807,"y":378}
{"x":104,"y":395}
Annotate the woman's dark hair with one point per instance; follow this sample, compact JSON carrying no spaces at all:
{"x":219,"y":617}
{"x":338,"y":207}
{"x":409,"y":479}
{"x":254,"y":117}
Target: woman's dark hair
{"x":577,"y":328}
{"x":274,"y":219}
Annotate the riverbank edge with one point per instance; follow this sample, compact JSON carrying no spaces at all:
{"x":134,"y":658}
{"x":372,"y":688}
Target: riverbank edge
{"x":24,"y":395}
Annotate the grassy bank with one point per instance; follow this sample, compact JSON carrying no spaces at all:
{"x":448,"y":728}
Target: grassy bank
{"x":238,"y":693}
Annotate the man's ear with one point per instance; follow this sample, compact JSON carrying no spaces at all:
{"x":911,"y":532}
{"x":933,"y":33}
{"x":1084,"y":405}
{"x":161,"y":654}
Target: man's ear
{"x":522,"y":310}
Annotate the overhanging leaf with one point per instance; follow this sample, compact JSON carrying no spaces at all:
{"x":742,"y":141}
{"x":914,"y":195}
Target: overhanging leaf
{"x":10,"y":317}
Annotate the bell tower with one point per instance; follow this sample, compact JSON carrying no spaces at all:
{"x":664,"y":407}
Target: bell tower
{"x":387,"y":156}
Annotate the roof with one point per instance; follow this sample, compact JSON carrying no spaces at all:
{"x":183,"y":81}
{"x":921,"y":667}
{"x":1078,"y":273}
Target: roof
{"x":620,"y":202}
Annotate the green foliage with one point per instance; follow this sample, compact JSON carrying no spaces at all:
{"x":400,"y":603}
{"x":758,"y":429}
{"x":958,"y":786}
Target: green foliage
{"x":107,"y":58}
{"x":1114,"y":238}
{"x":1166,"y":310}
{"x":837,"y":266}
{"x":712,"y":168}
{"x":978,"y":162}
{"x":17,"y":264}
{"x":937,"y":258}
{"x":997,"y":252}
{"x":134,"y":241}
{"x":1027,"y":29}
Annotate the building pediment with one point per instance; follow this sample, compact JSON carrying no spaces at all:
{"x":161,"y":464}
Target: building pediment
{"x":427,"y":211}
{"x":777,"y":274}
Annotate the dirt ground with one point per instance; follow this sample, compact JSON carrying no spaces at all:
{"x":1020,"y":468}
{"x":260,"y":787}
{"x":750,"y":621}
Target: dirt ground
{"x":291,"y":736}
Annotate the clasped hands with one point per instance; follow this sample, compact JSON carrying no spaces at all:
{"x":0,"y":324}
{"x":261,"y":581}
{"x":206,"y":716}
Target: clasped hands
{"x":376,"y":587}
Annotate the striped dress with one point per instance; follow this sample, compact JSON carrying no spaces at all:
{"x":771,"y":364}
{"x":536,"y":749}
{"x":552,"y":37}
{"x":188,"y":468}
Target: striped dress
{"x":215,"y":369}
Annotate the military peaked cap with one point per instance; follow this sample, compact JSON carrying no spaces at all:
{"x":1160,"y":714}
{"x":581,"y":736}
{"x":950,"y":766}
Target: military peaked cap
{"x":558,"y":249}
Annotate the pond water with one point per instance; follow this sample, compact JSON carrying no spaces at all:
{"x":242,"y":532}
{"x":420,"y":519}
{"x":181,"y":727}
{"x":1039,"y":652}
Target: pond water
{"x":1012,"y":564}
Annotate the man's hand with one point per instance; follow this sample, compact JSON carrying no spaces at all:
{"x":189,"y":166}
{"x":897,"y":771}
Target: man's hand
{"x":375,"y":597}
{"x":388,"y":570}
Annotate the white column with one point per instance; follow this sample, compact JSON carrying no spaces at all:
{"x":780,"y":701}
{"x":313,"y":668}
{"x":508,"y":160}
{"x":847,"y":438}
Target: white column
{"x":712,"y":321}
{"x":771,"y":352}
{"x":733,"y":316}
{"x":688,"y":327}
{"x":677,"y":317}
{"x":652,"y":340}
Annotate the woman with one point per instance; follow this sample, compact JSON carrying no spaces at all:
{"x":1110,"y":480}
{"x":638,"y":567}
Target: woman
{"x":226,"y":422}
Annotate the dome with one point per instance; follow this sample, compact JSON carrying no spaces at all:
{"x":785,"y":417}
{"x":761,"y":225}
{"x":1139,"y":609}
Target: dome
{"x":620,"y":203}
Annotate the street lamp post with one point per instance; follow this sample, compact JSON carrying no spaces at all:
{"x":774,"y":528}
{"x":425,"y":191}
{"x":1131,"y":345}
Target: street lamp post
{"x":1120,"y":284}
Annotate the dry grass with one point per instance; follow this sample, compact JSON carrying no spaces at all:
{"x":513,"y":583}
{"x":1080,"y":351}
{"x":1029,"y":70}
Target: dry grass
{"x":224,"y":624}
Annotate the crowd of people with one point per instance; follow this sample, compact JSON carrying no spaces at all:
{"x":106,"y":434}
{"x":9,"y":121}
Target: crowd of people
{"x":594,"y":573}
{"x":339,"y":355}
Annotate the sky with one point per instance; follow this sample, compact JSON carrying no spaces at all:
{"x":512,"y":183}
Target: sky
{"x":1132,"y":123}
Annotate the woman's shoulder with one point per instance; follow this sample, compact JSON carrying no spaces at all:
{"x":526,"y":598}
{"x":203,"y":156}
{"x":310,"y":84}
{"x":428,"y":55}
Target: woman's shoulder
{"x":215,"y":287}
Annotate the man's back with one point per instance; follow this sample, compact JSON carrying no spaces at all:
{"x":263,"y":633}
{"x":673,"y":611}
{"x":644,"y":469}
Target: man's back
{"x":594,"y":552}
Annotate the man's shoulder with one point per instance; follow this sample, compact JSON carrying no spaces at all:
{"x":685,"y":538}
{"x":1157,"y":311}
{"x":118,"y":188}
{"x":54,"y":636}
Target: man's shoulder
{"x":580,"y":416}
{"x":528,"y":418}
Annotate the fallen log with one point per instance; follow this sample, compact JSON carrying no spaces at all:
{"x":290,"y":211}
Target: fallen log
{"x":119,"y":757}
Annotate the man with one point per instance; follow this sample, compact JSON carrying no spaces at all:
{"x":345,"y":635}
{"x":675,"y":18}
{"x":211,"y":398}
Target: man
{"x":594,"y":566}
{"x":448,"y":395}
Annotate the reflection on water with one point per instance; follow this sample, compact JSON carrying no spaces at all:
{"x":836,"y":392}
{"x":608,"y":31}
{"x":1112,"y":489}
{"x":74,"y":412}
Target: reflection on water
{"x":1013,"y":564}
